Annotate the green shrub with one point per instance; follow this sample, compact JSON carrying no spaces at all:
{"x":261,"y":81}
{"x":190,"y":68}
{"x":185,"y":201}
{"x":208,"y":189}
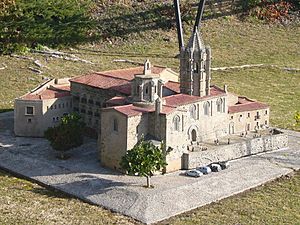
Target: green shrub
{"x":144,"y":159}
{"x":67,"y":135}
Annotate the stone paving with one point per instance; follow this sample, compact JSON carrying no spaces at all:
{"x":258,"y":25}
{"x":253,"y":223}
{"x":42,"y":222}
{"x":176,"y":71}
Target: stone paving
{"x":82,"y":176}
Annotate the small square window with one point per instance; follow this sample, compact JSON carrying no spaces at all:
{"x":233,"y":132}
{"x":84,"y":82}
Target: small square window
{"x":231,"y":117}
{"x":29,"y":120}
{"x":266,"y":122}
{"x":54,"y":106}
{"x":51,"y":107}
{"x":29,"y":110}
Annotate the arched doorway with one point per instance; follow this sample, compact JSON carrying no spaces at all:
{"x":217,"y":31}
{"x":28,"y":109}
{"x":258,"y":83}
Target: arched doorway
{"x":194,"y":135}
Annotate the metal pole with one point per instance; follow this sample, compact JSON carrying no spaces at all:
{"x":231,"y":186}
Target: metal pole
{"x":199,"y":14}
{"x":179,"y":24}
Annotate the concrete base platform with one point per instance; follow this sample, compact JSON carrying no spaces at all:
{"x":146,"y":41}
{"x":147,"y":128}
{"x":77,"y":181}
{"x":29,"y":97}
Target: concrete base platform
{"x":82,"y":176}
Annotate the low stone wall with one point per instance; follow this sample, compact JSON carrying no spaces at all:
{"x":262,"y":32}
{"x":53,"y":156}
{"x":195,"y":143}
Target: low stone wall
{"x":233,"y":151}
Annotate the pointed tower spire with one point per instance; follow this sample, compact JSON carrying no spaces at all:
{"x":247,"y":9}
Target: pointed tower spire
{"x":195,"y":61}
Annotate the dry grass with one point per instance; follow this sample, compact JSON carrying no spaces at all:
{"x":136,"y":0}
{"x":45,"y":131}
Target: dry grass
{"x":23,"y":202}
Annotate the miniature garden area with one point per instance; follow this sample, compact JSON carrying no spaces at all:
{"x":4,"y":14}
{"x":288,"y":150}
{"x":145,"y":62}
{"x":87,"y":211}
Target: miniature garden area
{"x":122,"y":30}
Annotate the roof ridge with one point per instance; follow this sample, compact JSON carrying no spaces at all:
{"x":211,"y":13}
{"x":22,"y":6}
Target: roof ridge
{"x":171,"y":81}
{"x":107,"y":75}
{"x":129,"y":68}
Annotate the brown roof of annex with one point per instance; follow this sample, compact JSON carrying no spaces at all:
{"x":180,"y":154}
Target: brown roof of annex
{"x":244,"y":104}
{"x":49,"y":93}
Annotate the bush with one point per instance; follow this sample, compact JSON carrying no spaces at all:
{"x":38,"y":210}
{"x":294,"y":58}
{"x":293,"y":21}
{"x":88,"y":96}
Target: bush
{"x":67,"y":135}
{"x":47,"y":22}
{"x":271,"y":10}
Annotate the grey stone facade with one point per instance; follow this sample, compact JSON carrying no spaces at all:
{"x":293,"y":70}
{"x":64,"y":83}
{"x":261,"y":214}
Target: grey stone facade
{"x":195,"y":67}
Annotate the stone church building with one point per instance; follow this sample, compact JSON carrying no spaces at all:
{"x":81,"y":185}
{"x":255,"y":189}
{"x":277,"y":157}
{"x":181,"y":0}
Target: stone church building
{"x":122,"y":106}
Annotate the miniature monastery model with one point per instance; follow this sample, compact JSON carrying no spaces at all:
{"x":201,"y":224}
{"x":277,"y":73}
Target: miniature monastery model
{"x":153,"y":102}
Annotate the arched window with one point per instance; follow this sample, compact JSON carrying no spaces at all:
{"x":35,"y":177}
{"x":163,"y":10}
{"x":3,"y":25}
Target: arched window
{"x":206,"y":108}
{"x":219,"y":105}
{"x":115,"y":124}
{"x":176,"y":123}
{"x":193,"y":111}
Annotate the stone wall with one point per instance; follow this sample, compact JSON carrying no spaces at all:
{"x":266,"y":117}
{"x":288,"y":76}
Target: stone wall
{"x":112,"y":142}
{"x":233,"y":151}
{"x":88,"y":101}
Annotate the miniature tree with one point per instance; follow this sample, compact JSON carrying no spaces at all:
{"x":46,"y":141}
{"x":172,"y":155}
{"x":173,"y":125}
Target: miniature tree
{"x":143,"y":160}
{"x":67,"y":135}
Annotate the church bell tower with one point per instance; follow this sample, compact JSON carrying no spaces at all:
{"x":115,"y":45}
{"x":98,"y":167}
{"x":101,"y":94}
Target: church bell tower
{"x":195,"y":58}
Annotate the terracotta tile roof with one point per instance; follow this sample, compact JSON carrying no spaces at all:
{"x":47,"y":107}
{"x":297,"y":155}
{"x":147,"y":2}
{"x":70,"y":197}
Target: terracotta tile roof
{"x":215,"y":91}
{"x":173,"y":86}
{"x":104,"y":82}
{"x":183,"y":99}
{"x":128,"y":73}
{"x":180,"y":99}
{"x":166,"y":109}
{"x":62,"y":87}
{"x":118,"y":80}
{"x":244,"y":104}
{"x":49,"y":93}
{"x":131,"y":110}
